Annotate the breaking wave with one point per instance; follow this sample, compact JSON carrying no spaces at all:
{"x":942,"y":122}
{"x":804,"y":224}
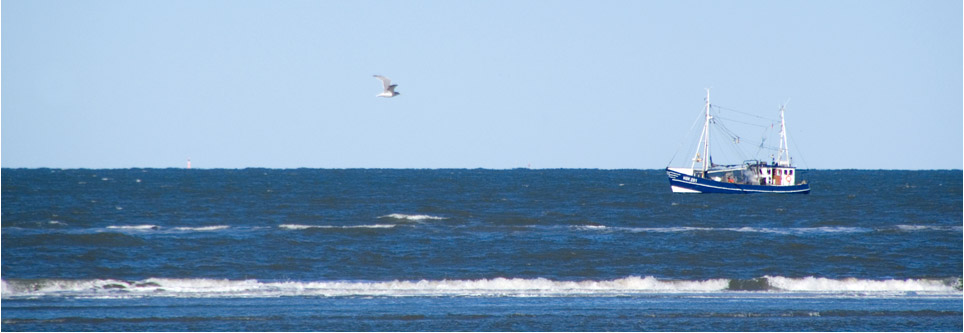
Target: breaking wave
{"x":781,"y":231}
{"x":815,"y":284}
{"x":207,"y":228}
{"x":135,"y":227}
{"x":591,"y":227}
{"x":365,"y":226}
{"x":496,"y":287}
{"x":914,"y":227}
{"x":411,"y":217}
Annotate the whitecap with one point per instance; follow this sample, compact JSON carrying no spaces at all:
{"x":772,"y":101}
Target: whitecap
{"x":498,"y":287}
{"x":781,"y":231}
{"x":493,"y":287}
{"x":41,"y":287}
{"x":818,"y":284}
{"x":206,"y":228}
{"x":667,"y":229}
{"x":838,"y":229}
{"x":914,"y":227}
{"x":412,"y":217}
{"x":296,"y":226}
{"x":909,"y":227}
{"x":364,"y":226}
{"x":592,"y":227}
{"x":134,"y":227}
{"x":799,"y":231}
{"x":371,"y":226}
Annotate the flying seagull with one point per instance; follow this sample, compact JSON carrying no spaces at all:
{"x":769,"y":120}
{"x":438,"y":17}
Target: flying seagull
{"x":389,"y":88}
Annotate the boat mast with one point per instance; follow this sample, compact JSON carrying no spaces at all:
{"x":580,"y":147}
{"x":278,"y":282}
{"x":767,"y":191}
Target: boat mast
{"x":706,"y":127}
{"x":704,"y":142}
{"x":783,"y":157}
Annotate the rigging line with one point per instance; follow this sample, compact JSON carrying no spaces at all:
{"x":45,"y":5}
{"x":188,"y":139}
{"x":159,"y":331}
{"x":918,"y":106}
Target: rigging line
{"x":799,"y":153}
{"x":737,"y":151}
{"x":680,"y":145}
{"x":738,"y":139}
{"x":743,"y":112}
{"x":767,"y":152}
{"x":767,"y":135}
{"x":763,"y":142}
{"x":738,"y":147}
{"x":742,"y":122}
{"x":727,"y":131}
{"x":734,"y":147}
{"x":759,"y":148}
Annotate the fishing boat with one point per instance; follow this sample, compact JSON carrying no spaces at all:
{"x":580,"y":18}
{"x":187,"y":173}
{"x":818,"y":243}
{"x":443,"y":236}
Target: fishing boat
{"x":750,"y":176}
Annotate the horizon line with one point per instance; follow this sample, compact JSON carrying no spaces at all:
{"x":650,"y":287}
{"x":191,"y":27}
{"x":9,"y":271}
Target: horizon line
{"x":431,"y":168}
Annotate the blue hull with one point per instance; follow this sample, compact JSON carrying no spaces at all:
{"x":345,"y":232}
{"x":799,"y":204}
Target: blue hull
{"x":703,"y":185}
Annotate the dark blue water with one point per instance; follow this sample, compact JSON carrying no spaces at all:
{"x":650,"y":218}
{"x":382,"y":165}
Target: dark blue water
{"x":444,"y":250}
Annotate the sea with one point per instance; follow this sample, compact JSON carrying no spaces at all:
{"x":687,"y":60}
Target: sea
{"x":475,"y":250}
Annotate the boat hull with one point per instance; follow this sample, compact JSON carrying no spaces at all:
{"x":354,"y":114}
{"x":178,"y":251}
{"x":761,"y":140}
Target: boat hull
{"x":681,"y":182}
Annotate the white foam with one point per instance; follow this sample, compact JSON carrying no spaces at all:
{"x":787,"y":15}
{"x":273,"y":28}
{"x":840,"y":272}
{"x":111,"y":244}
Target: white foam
{"x":592,"y":227}
{"x":364,"y":226}
{"x":798,"y":231}
{"x":906,"y":227}
{"x":371,"y":226}
{"x":667,"y":229}
{"x":495,"y":287}
{"x":913,"y":227}
{"x":57,"y":286}
{"x":845,"y":230}
{"x":134,"y":227}
{"x":297,"y":226}
{"x":207,"y":228}
{"x":510,"y":287}
{"x":816,"y":284}
{"x":412,"y":217}
{"x":782,"y":231}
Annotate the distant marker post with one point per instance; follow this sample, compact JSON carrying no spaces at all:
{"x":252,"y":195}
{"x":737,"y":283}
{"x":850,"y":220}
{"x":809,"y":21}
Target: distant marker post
{"x":189,"y":163}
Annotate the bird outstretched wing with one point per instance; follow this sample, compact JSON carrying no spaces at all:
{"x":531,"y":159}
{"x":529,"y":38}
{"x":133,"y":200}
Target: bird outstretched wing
{"x":386,"y":82}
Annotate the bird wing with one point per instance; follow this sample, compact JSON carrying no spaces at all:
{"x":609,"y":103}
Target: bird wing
{"x":392,"y":87}
{"x":386,"y":82}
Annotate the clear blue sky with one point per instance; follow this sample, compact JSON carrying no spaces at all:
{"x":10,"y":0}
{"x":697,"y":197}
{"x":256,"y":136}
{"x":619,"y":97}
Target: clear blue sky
{"x":490,"y":84}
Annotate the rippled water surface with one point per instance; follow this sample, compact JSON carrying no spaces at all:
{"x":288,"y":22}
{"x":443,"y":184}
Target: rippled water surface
{"x":588,"y":250}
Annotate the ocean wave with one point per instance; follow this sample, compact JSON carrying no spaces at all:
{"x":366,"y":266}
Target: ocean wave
{"x":591,"y":227}
{"x":495,"y":287}
{"x":411,"y":217}
{"x":914,"y":227}
{"x":792,"y":231}
{"x":207,"y":228}
{"x":364,"y":226}
{"x":781,"y":231}
{"x":135,"y":227}
{"x":816,"y":284}
{"x":667,"y":229}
